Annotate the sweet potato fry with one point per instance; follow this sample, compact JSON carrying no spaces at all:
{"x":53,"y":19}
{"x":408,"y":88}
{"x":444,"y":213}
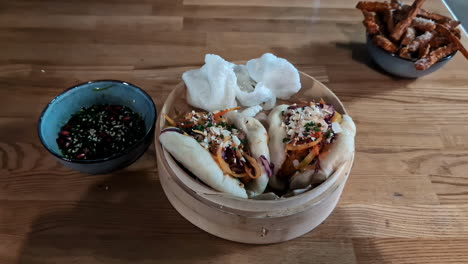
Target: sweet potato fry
{"x":401,"y":13}
{"x":411,"y":32}
{"x":385,"y":44}
{"x":457,"y":32}
{"x":424,"y":50}
{"x":388,"y":19}
{"x":409,"y":37}
{"x":438,"y":41}
{"x":451,"y":24}
{"x":448,"y":34}
{"x":426,"y":14}
{"x":420,"y":41}
{"x":404,"y":53}
{"x":434,"y":56}
{"x":372,"y":6}
{"x":423,"y":24}
{"x":395,"y":4}
{"x":371,"y":23}
{"x":401,"y":27}
{"x":446,"y":21}
{"x":433,"y":16}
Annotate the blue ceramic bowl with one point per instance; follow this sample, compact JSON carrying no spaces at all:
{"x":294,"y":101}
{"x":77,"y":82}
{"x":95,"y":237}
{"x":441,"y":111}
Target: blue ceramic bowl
{"x":61,"y":108}
{"x":398,"y":66}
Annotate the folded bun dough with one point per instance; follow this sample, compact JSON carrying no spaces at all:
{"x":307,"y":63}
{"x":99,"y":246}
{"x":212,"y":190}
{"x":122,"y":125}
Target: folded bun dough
{"x":341,"y":150}
{"x":276,"y":144}
{"x":258,"y":144}
{"x":200,"y":162}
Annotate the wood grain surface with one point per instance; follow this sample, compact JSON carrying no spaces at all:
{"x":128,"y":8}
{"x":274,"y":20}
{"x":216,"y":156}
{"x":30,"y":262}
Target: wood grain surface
{"x":406,"y":200}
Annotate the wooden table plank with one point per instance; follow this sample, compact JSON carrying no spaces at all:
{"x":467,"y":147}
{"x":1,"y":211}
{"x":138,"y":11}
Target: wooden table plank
{"x":411,"y":250}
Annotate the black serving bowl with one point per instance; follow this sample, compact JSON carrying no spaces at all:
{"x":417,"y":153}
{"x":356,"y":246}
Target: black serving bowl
{"x":397,"y":66}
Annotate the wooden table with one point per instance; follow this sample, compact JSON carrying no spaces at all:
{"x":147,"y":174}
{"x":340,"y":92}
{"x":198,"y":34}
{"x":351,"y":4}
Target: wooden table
{"x":405,"y":202}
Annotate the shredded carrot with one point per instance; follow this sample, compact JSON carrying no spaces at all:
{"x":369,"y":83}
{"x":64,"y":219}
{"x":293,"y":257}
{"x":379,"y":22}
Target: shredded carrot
{"x":249,"y":173}
{"x":307,"y":160}
{"x":254,"y":163}
{"x":223,"y":112}
{"x":316,"y":150}
{"x":223,"y":164}
{"x":169,"y":120}
{"x":304,"y":146}
{"x":238,"y":175}
{"x":322,"y":101}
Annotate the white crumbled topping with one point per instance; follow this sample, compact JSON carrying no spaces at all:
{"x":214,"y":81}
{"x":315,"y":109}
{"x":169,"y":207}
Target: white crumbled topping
{"x":215,"y":130}
{"x":236,"y":141}
{"x":215,"y":134}
{"x":225,"y":133}
{"x":301,"y":118}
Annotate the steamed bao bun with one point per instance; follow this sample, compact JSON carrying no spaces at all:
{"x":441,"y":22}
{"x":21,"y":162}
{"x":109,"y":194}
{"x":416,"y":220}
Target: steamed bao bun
{"x":220,"y":84}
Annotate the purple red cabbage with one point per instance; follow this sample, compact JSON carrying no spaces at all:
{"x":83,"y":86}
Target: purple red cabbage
{"x":173,"y":129}
{"x":235,"y":164}
{"x":267,"y":165}
{"x":330,"y":108}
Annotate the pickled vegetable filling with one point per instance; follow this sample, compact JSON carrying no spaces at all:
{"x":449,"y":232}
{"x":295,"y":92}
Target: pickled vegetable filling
{"x":227,"y":144}
{"x":100,"y":131}
{"x":309,"y":133}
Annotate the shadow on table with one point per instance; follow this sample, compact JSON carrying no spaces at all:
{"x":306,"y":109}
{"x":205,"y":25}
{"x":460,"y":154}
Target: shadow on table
{"x":360,"y":55}
{"x":356,"y":43}
{"x":124,"y":218}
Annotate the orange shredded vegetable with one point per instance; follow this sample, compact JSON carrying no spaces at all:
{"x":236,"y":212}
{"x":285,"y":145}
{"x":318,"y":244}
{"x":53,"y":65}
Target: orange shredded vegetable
{"x":223,"y":164}
{"x":249,"y":173}
{"x":304,"y":146}
{"x":254,"y":163}
{"x":223,"y":112}
{"x":316,"y":150}
{"x":307,"y":160}
{"x":169,"y":120}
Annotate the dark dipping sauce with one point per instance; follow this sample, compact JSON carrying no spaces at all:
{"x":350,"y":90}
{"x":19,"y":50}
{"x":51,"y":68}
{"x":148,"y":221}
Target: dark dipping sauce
{"x":100,"y":131}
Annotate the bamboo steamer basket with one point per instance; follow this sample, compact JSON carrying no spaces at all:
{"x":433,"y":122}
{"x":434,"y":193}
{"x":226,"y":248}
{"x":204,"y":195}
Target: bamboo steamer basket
{"x":248,"y":220}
